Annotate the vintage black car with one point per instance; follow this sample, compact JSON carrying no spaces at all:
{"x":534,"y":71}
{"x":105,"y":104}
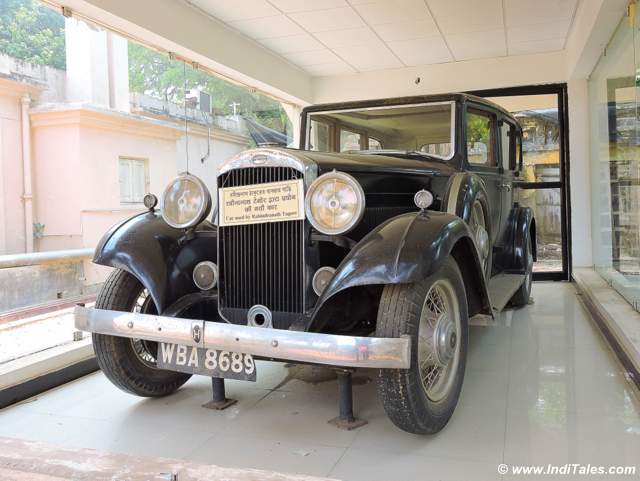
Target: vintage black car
{"x":370,"y":246}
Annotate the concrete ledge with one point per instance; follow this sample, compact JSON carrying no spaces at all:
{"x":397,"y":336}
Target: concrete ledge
{"x":619,"y":322}
{"x":22,"y":460}
{"x":45,"y":362}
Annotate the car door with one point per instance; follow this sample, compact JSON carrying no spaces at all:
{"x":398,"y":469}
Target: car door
{"x":507,"y":138}
{"x":483,"y":158}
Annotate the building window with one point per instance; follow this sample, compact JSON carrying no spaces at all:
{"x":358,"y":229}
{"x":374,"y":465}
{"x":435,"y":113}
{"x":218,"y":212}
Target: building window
{"x":133,"y":180}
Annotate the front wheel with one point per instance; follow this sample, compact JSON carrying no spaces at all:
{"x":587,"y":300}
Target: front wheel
{"x":434,"y":314}
{"x":130,"y":364}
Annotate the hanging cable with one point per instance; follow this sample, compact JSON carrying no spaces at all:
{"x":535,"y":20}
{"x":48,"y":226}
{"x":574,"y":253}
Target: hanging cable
{"x":186,"y":120}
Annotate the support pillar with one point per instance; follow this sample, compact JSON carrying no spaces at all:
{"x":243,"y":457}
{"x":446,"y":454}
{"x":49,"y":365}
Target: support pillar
{"x":219,"y":399}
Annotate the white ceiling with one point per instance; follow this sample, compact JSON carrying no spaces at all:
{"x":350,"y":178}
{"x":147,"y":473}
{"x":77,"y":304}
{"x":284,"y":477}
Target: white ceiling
{"x":335,"y":37}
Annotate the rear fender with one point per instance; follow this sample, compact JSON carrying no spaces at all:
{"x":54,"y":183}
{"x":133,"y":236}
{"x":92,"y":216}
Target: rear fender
{"x":407,"y":249}
{"x":522,"y":225}
{"x":160,"y":257}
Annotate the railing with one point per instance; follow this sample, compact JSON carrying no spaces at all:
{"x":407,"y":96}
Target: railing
{"x":49,"y":257}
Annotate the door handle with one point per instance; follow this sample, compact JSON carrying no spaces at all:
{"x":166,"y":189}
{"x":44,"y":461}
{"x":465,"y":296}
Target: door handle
{"x":506,"y":187}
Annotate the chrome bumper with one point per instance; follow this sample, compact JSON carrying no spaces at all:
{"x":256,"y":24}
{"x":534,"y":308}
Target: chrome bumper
{"x":335,"y":350}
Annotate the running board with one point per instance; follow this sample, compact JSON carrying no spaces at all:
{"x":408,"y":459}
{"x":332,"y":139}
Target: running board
{"x":502,"y":288}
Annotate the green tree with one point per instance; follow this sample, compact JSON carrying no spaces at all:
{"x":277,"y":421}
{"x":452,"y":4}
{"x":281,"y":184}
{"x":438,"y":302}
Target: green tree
{"x":32,"y":32}
{"x":155,"y":74}
{"x":477,"y":129}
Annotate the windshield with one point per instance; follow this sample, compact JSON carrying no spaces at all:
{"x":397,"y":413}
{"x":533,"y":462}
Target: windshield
{"x":425,"y":128}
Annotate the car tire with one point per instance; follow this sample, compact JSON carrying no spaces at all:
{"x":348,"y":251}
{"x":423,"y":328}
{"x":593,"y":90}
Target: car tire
{"x":410,"y":401}
{"x":129,"y":363}
{"x":522,"y":295}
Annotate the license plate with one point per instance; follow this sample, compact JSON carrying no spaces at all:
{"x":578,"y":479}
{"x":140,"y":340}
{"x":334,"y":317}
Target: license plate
{"x":207,"y":362}
{"x":260,"y":203}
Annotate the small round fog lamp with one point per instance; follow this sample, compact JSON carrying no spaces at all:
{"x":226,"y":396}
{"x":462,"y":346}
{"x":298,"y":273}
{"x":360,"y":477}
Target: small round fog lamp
{"x":205,"y":275}
{"x":423,"y":199}
{"x":321,"y":279}
{"x":150,"y":201}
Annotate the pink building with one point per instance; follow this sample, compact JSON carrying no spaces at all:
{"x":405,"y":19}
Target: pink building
{"x":75,"y":159}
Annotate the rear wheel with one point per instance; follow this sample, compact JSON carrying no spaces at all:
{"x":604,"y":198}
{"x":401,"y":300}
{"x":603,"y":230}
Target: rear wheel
{"x":130,"y":364}
{"x":522,"y":295}
{"x":478,"y":225}
{"x":433,"y":313}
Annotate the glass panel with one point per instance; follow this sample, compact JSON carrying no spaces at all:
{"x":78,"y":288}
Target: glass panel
{"x":319,"y":137}
{"x":547,"y":210}
{"x":374,"y":144}
{"x":436,"y":149}
{"x":538,"y":117}
{"x":349,"y":140}
{"x":395,"y":128}
{"x":145,"y":98}
{"x":479,"y":139}
{"x":615,"y":164}
{"x":507,"y":150}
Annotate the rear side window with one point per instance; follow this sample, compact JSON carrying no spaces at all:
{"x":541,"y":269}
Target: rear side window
{"x":374,"y":144}
{"x":349,"y":140}
{"x":508,"y":145}
{"x":480,"y":141}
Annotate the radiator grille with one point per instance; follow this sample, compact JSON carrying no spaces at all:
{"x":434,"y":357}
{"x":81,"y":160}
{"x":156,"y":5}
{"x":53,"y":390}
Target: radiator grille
{"x":261,"y":263}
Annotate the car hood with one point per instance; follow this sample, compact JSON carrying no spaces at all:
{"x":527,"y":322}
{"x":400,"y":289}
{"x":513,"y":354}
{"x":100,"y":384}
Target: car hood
{"x":324,"y":162}
{"x":374,"y":163}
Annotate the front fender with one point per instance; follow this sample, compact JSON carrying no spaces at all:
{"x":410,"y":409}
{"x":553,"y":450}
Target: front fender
{"x":404,"y":249}
{"x":160,"y":257}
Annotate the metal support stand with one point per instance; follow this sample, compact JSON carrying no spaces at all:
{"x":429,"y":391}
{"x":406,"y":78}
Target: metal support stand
{"x":346,"y":420}
{"x":219,"y":399}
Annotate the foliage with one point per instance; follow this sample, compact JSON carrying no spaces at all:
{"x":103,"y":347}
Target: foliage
{"x":155,"y":74}
{"x":32,"y":32}
{"x":477,"y":129}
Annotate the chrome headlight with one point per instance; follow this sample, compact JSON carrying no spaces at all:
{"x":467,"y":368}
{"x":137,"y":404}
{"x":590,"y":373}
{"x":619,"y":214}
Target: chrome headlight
{"x":186,"y":202}
{"x":334,"y":203}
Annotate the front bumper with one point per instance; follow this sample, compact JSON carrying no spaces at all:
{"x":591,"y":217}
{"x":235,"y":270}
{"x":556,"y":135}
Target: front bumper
{"x":309,"y":347}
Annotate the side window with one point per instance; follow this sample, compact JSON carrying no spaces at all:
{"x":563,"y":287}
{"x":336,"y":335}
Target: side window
{"x":441,"y":150}
{"x":133,"y":180}
{"x":507,"y":140}
{"x":480,"y":139}
{"x":319,"y":136}
{"x":374,"y":144}
{"x":349,"y":140}
{"x":518,"y":156}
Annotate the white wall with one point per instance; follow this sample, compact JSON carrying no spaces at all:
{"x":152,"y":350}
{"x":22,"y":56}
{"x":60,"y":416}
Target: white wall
{"x":581,"y":243}
{"x":593,"y":26}
{"x":445,"y":77}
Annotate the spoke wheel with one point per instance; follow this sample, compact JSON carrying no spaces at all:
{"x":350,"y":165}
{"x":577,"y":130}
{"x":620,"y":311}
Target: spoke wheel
{"x":146,"y":351}
{"x":481,"y":235}
{"x":130,"y":364}
{"x":433,"y":312}
{"x":439,"y":340}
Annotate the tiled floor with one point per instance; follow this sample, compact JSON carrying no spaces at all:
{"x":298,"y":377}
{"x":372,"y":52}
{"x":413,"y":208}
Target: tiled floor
{"x":541,"y":387}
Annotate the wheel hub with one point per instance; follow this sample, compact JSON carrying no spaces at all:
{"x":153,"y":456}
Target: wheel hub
{"x":444,"y":341}
{"x":482,"y":241}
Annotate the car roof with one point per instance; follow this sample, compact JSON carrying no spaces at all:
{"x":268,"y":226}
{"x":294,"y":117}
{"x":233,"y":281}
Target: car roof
{"x":416,"y":99}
